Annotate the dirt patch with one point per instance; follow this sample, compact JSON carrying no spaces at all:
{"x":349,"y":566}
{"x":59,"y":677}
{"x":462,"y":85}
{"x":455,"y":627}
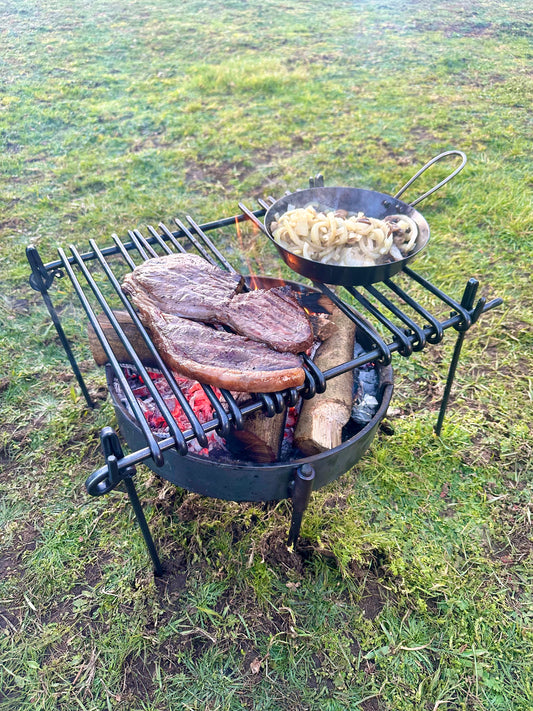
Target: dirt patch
{"x":173,"y":582}
{"x":374,"y":594}
{"x":274,"y":551}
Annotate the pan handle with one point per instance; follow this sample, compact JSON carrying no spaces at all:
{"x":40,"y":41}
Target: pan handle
{"x":442,"y":182}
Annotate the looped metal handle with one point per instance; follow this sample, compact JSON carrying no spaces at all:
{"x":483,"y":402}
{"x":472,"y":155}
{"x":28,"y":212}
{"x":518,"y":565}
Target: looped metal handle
{"x":107,"y":478}
{"x":442,"y":182}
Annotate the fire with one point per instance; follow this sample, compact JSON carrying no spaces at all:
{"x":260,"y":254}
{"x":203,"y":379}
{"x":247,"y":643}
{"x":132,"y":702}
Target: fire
{"x":251,"y":252}
{"x":194,"y":394}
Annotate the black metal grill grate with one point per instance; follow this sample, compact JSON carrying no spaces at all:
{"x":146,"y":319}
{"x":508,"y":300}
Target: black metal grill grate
{"x":391,"y":314}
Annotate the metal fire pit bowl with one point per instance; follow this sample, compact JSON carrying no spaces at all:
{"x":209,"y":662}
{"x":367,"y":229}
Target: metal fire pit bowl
{"x":248,"y":481}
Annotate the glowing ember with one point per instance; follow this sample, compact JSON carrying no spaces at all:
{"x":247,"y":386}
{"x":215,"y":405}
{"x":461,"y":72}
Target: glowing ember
{"x":195,"y":395}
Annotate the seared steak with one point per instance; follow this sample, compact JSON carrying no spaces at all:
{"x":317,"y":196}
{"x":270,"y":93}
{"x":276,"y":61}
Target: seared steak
{"x":187,"y":285}
{"x":183,"y":284}
{"x":270,"y":316}
{"x":226,"y":360}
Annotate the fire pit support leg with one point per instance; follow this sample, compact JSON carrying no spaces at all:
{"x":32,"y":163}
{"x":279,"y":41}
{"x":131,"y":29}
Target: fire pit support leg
{"x":301,"y":493}
{"x":41,"y":280}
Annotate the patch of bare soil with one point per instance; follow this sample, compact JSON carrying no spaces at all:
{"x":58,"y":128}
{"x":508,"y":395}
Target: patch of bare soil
{"x":274,"y":551}
{"x":374,"y":594}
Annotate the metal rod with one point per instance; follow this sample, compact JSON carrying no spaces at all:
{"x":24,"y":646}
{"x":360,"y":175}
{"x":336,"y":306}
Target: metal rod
{"x":467,"y":302}
{"x":206,"y":227}
{"x":189,"y":412}
{"x":385,"y":350}
{"x":143,"y":525}
{"x":405,"y":345}
{"x":41,"y":280}
{"x":210,"y":244}
{"x":160,"y":241}
{"x":301,"y":494}
{"x":172,"y":237}
{"x":145,"y":243}
{"x":466,"y":320}
{"x":437,"y":334}
{"x":112,"y":450}
{"x":68,"y":350}
{"x":152,"y":444}
{"x":420,"y":341}
{"x":140,"y":247}
{"x":199,"y":246}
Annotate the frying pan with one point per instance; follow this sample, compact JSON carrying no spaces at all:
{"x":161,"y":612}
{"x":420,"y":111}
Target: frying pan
{"x":354,"y":200}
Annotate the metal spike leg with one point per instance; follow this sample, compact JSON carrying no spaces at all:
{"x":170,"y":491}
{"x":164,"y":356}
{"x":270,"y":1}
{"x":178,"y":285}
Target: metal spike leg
{"x":301,"y":493}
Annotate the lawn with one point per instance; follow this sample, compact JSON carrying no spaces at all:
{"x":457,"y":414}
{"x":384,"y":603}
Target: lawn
{"x":412,"y":587}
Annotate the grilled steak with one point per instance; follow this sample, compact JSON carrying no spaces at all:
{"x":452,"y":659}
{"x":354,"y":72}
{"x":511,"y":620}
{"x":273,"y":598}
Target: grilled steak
{"x":226,"y":360}
{"x":187,"y":285}
{"x":270,"y":316}
{"x":183,"y":284}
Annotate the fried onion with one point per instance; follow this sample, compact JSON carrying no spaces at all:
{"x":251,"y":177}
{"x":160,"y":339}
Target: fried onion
{"x":336,"y":237}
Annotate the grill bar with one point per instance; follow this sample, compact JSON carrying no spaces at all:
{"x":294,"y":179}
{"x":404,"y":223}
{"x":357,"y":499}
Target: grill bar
{"x":196,"y":426}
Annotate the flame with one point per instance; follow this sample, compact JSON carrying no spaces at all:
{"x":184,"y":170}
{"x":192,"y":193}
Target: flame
{"x":251,"y":253}
{"x":244,"y":251}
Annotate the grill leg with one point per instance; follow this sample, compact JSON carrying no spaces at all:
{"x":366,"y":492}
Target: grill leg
{"x":449,"y":382}
{"x":40,"y":280}
{"x":113,"y":452}
{"x":67,"y":349}
{"x":467,"y":302}
{"x":143,"y":525}
{"x":301,"y":493}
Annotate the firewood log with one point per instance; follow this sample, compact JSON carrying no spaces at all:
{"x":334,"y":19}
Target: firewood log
{"x":132,"y":333}
{"x":260,"y":438}
{"x":322,"y":417}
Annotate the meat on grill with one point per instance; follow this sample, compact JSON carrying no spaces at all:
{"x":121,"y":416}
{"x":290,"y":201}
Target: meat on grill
{"x":270,"y":316}
{"x":187,"y":285}
{"x":218,"y":358}
{"x":183,"y":284}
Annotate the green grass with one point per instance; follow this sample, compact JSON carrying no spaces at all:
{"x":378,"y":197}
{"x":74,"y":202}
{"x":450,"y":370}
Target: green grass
{"x":412,"y":589}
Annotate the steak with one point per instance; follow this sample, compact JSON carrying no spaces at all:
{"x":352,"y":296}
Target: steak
{"x":218,"y":358}
{"x":270,"y":316}
{"x":183,"y":284}
{"x":187,"y":285}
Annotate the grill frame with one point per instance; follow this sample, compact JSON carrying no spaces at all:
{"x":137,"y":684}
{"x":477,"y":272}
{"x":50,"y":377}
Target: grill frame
{"x":412,"y":328}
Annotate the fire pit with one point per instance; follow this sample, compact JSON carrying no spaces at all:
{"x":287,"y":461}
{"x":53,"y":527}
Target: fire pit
{"x":392,"y":308}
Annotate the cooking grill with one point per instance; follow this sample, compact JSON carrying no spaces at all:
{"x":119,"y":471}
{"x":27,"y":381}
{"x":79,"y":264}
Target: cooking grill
{"x":401,"y":316}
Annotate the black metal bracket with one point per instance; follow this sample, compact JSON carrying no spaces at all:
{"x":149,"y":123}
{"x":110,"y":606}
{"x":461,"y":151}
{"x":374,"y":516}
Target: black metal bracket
{"x":41,"y":278}
{"x":300,"y":495}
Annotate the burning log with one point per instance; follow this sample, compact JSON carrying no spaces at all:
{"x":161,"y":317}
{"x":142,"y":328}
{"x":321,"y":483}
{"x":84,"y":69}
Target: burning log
{"x":260,"y":439}
{"x":323,"y":417}
{"x":132,"y":333}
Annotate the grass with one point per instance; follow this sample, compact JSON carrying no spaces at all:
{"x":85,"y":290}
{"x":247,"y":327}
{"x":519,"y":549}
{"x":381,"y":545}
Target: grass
{"x":412,"y":589}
